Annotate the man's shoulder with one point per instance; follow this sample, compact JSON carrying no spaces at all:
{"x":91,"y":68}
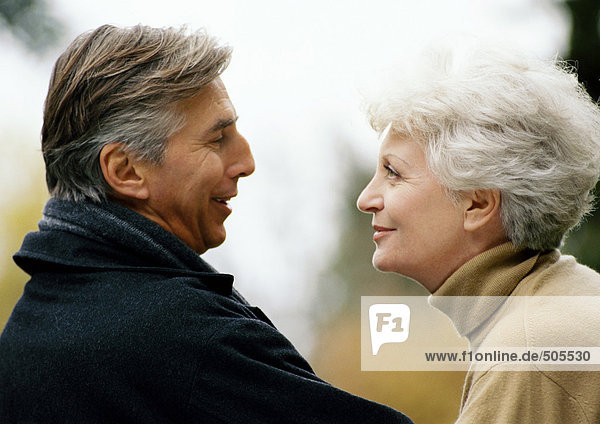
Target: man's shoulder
{"x":119,"y":305}
{"x":119,"y":317}
{"x":180,"y":300}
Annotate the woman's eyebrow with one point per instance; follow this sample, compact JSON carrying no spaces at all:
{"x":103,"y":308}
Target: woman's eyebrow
{"x":397,"y":157}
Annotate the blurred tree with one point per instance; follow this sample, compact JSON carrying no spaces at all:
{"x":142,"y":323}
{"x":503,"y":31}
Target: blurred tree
{"x":583,"y":51}
{"x":22,"y":197}
{"x":16,"y":219}
{"x":30,"y":22}
{"x":585,"y":42}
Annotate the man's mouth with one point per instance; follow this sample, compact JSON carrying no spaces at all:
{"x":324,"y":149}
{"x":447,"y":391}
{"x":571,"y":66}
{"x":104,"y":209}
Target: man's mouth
{"x":222,"y":200}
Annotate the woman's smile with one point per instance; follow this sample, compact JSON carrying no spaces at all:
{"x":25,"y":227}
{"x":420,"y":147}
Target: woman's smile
{"x":381,"y":232}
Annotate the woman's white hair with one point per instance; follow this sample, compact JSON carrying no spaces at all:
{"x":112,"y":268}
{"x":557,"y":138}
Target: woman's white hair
{"x":492,"y":118}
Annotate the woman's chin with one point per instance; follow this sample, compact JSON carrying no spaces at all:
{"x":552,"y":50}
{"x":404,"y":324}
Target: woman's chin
{"x":383,"y":264}
{"x":386,"y":264}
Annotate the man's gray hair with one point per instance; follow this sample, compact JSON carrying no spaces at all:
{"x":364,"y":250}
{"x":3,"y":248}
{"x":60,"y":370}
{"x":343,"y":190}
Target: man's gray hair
{"x":120,"y":85}
{"x":491,"y":118}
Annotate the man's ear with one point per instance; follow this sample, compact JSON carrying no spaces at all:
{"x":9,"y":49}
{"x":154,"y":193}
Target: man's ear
{"x":122,"y":172}
{"x":482,"y":208}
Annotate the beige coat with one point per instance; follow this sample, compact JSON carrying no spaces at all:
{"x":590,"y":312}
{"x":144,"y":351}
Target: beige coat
{"x":538,"y":396}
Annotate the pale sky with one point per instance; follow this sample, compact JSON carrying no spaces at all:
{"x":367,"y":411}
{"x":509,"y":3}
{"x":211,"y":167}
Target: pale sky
{"x":294,"y":79}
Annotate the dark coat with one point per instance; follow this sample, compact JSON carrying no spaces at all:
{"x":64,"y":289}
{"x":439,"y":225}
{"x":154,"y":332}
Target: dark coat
{"x":123,"y":323}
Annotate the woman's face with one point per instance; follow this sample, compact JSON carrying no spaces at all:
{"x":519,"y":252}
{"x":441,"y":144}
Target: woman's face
{"x":419,"y":232}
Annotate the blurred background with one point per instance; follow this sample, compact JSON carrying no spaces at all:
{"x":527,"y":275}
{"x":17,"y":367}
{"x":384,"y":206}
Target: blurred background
{"x":296,"y":243}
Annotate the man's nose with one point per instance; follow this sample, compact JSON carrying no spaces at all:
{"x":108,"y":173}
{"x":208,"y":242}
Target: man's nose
{"x":243,"y":164}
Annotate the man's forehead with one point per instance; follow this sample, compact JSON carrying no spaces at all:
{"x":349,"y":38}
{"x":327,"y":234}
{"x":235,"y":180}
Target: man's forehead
{"x":212,"y":103}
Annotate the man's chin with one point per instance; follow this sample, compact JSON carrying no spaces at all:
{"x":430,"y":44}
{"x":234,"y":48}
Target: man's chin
{"x":201,"y":244}
{"x":216,"y":240}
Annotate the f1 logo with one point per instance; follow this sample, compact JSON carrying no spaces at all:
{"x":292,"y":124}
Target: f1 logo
{"x":389,"y":323}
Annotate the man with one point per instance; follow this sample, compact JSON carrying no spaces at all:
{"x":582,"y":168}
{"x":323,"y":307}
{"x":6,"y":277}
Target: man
{"x":122,"y":321}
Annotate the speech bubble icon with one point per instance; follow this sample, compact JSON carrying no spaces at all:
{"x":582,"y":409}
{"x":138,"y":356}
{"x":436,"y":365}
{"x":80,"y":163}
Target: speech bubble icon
{"x":389,"y":323}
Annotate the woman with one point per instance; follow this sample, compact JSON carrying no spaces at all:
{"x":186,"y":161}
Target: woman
{"x":487,"y":161}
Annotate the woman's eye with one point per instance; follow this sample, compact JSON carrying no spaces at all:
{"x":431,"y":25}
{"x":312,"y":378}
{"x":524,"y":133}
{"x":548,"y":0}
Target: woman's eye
{"x":390,"y":172}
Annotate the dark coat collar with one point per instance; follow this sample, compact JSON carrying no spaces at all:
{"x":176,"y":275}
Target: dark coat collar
{"x":107,"y":236}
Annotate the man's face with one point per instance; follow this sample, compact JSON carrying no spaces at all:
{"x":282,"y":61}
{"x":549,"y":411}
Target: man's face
{"x":188,"y":193}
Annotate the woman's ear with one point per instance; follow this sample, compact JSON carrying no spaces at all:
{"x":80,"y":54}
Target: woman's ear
{"x":123,"y":173}
{"x":483,"y":208}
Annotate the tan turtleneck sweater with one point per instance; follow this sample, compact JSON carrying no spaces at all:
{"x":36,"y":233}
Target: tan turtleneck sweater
{"x":539,"y":396}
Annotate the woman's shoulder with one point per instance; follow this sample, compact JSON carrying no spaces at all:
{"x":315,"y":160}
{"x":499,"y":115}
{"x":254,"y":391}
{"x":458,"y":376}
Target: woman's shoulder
{"x":563,"y":276}
{"x":562,"y":305}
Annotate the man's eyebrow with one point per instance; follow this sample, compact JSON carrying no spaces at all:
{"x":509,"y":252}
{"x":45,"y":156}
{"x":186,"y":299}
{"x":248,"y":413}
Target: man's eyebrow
{"x":221,"y":124}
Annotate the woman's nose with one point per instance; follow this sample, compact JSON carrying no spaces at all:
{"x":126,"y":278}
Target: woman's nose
{"x":370,"y":201}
